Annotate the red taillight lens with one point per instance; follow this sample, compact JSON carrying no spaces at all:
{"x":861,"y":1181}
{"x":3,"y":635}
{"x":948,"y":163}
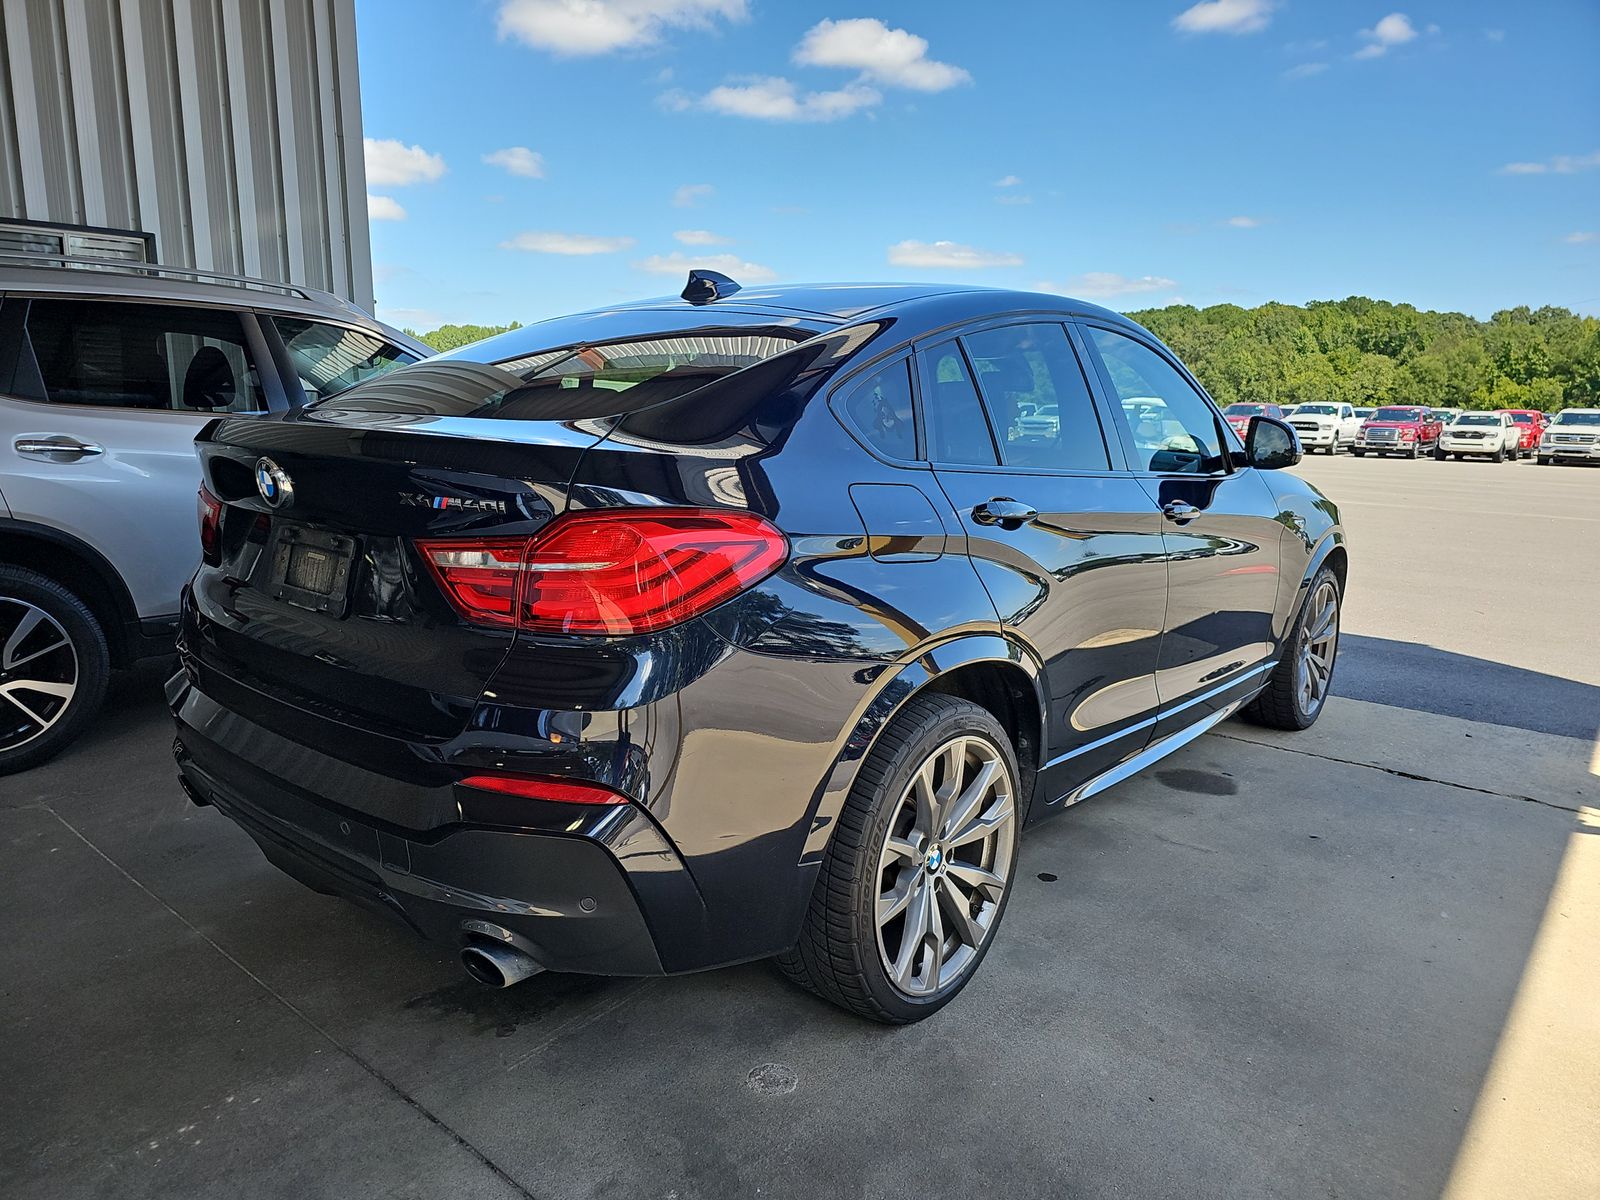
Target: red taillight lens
{"x":209,"y":510}
{"x":481,"y":576}
{"x":613,"y":572}
{"x":564,"y":791}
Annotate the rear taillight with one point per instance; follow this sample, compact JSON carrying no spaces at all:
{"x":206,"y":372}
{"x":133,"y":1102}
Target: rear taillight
{"x":209,"y":510}
{"x":611,"y":572}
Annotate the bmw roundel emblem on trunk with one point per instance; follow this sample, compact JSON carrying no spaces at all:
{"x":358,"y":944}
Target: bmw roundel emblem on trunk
{"x":274,"y":484}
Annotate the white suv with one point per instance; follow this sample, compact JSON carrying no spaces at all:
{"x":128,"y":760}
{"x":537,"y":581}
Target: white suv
{"x":1326,"y":427}
{"x":107,"y":372}
{"x":1574,"y":436}
{"x":1491,"y":435}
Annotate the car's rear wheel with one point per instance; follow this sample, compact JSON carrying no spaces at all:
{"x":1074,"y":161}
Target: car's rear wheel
{"x":54,"y":667}
{"x":1439,"y":455}
{"x":1357,"y":451}
{"x":919,"y":871}
{"x":1298,"y":686}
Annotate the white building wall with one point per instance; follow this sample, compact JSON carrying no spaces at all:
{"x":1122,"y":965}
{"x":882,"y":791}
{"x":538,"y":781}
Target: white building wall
{"x":229,"y":129}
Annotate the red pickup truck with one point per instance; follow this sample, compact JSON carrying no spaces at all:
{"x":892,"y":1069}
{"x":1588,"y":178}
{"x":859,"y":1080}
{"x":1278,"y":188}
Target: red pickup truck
{"x":1238,"y":415}
{"x":1408,"y":429}
{"x":1532,"y":424}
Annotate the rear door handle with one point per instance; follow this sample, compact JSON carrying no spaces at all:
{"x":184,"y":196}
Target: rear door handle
{"x":1179,"y":511}
{"x":57,"y":444}
{"x":1004,"y":511}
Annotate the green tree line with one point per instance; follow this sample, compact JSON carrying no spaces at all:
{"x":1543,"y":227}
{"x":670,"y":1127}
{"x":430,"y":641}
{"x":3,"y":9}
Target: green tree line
{"x":448,"y":337}
{"x":1360,"y":351}
{"x":1370,"y":352}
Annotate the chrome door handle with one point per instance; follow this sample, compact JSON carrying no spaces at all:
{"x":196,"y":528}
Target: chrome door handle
{"x":57,"y":445}
{"x":1004,"y":511}
{"x":1179,"y":511}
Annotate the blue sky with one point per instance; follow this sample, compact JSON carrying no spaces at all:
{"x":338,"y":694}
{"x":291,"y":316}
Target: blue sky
{"x":533,"y":157}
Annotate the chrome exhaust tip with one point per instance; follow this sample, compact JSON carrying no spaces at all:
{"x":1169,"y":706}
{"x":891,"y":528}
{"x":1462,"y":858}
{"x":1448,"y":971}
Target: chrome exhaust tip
{"x":497,"y":966}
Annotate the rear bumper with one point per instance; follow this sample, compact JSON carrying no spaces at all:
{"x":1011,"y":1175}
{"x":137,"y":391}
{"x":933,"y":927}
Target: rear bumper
{"x":563,"y":896}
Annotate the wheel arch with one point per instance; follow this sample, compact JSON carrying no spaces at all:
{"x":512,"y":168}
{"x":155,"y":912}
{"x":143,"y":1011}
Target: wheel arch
{"x":994,"y":672}
{"x":81,"y":569}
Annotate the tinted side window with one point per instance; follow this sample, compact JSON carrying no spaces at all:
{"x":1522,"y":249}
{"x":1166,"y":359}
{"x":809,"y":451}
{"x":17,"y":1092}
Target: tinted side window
{"x":1173,"y":430}
{"x":879,"y":407}
{"x":330,"y":358}
{"x":958,"y":432}
{"x":1038,"y":400}
{"x":143,"y":356}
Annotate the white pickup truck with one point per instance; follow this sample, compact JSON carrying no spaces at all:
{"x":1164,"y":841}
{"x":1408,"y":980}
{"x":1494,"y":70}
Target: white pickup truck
{"x":1326,"y":427}
{"x":1492,"y":435}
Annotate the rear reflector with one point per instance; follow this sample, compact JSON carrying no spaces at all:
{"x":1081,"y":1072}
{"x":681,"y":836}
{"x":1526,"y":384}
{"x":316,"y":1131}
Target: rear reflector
{"x":209,"y":510}
{"x":610,"y":572}
{"x":563,"y":791}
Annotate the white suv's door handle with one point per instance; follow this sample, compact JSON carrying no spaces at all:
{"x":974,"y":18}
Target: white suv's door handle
{"x":57,"y":445}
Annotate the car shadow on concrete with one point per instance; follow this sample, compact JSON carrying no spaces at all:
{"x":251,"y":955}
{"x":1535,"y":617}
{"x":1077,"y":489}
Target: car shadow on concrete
{"x":1408,"y":675}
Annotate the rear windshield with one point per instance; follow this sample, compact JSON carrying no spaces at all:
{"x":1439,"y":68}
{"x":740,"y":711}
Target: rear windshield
{"x":569,"y":383}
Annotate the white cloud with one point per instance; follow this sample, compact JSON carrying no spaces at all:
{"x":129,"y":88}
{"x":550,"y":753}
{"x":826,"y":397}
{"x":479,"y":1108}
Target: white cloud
{"x":1305,"y":70}
{"x":1245,"y":222}
{"x":1008,"y":181}
{"x":583,"y":27}
{"x":1582,"y":237}
{"x":384,"y":208}
{"x":771,"y":98}
{"x":690,"y":194}
{"x":392,"y":163}
{"x":566,"y":243}
{"x":952,"y":256}
{"x":679,"y":263}
{"x":1394,"y":30}
{"x":1101,"y":284}
{"x":891,"y":57}
{"x":1225,"y":16}
{"x":1561,"y":164}
{"x":700,"y":237}
{"x":518,"y":160}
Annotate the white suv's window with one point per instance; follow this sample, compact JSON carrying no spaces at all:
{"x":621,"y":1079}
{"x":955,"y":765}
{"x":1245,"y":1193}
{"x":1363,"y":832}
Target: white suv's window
{"x":330,"y":358}
{"x":120,"y":355}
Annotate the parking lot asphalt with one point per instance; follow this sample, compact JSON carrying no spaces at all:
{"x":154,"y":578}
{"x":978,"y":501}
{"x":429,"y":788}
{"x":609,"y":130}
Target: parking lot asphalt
{"x":1354,"y":962}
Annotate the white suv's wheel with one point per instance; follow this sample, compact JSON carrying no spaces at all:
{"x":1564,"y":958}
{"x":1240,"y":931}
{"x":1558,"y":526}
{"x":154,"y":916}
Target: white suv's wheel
{"x":54,"y":666}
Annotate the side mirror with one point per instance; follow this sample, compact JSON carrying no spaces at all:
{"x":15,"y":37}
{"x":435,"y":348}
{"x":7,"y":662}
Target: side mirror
{"x":1271,"y":445}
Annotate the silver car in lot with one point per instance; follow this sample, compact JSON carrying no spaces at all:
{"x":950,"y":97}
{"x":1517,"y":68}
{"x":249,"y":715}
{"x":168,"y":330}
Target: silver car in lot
{"x":107,"y":372}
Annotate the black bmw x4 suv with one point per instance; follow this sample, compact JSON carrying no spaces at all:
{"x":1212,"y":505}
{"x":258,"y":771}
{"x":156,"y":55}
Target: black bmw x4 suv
{"x":752,"y":623}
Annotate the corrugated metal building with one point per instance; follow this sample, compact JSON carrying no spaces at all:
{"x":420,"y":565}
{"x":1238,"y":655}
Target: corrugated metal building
{"x":230,"y":130}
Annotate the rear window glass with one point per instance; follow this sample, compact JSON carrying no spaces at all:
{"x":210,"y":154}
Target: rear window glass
{"x":568,"y":383}
{"x":880,"y":409}
{"x":330,"y":358}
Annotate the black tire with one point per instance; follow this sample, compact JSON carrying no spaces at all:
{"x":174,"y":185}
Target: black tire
{"x":838,"y":956}
{"x":1439,"y":455}
{"x":1280,"y":705}
{"x":1357,"y":451}
{"x":1543,"y":460}
{"x":22,"y":594}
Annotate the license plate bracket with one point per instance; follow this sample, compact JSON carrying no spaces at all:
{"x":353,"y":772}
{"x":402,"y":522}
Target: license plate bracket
{"x":311,"y":569}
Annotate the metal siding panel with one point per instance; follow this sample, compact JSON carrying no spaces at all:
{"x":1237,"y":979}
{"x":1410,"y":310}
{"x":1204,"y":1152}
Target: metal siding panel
{"x":10,"y":167}
{"x":352,"y":163}
{"x":229,"y":129}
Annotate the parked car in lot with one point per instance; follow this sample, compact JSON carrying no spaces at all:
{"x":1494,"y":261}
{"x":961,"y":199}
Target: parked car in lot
{"x":1530,"y":423}
{"x":1041,"y":424}
{"x":1445,"y":415}
{"x":1364,"y":413}
{"x":696,"y":630}
{"x":1491,"y":435}
{"x":1239,"y":415}
{"x":1574,"y":436}
{"x":1326,"y":427}
{"x":1398,"y":429}
{"x":107,"y":372}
